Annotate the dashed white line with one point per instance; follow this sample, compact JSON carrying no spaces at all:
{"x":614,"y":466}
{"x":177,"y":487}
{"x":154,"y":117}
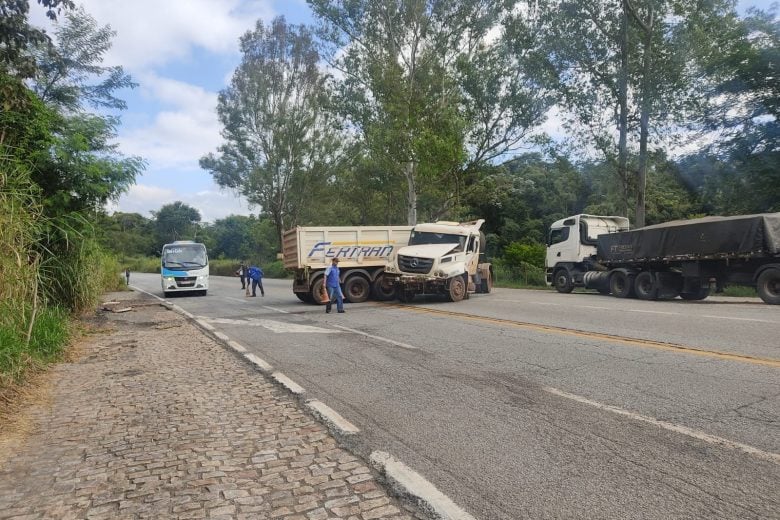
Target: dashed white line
{"x":738,"y":319}
{"x":412,"y":483}
{"x":333,"y":418}
{"x":275,"y":309}
{"x":378,"y":338}
{"x":288,"y":383}
{"x":653,"y":312}
{"x":684,"y":430}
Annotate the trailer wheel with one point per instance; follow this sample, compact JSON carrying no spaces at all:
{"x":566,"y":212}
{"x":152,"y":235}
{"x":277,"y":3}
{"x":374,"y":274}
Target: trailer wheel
{"x":382,"y":290}
{"x":357,"y":289}
{"x":457,"y":289}
{"x":645,"y":286}
{"x":768,"y":286}
{"x":562,"y":281}
{"x":621,"y":284}
{"x":699,"y":294}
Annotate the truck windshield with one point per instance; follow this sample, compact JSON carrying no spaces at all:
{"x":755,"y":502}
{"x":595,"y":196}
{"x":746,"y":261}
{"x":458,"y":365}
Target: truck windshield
{"x":184,"y":256}
{"x":426,"y":237}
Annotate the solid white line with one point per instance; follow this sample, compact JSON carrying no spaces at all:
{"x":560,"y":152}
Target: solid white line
{"x":330,"y":416}
{"x":274,"y":309}
{"x":412,"y":483}
{"x":379,"y":338}
{"x":684,"y":430}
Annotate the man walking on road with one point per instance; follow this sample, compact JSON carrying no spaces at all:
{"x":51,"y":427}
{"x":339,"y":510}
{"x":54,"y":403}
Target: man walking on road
{"x":256,"y":275}
{"x":332,"y":284}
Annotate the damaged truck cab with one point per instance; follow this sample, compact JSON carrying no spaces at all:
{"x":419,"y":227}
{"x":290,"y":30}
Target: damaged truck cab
{"x":442,"y":258}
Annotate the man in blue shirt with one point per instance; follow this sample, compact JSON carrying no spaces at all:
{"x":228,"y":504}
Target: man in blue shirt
{"x":256,"y":275}
{"x":332,"y":284}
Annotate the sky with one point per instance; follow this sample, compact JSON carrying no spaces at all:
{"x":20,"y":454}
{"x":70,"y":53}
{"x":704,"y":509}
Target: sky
{"x":182,"y":53}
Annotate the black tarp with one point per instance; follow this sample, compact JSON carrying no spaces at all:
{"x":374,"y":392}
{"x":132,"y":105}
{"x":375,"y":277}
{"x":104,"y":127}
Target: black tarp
{"x":708,"y":237}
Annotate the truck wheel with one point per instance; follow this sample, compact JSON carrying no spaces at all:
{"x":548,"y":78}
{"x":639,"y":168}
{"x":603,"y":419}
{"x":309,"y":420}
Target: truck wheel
{"x":699,"y":294}
{"x":405,"y":296}
{"x":486,"y":285}
{"x":457,"y":289}
{"x":768,"y":286}
{"x":357,"y":289}
{"x":316,"y":291}
{"x":621,"y":284}
{"x":304,"y":297}
{"x":562,"y":281}
{"x":645,"y":286}
{"x":382,"y":290}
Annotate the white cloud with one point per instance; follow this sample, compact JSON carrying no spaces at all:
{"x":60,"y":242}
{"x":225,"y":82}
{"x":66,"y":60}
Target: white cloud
{"x":152,"y":33}
{"x":212,"y":203}
{"x":180,"y":135}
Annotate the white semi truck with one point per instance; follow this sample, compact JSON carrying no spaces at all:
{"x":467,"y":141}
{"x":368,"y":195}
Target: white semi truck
{"x":686,"y":258}
{"x":363,"y":253}
{"x":442,"y":258}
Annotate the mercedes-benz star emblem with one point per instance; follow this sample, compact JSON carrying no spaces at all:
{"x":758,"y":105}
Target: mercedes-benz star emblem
{"x":413,"y":263}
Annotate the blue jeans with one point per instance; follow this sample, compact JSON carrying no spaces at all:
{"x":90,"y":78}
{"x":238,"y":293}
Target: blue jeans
{"x":335,"y":292}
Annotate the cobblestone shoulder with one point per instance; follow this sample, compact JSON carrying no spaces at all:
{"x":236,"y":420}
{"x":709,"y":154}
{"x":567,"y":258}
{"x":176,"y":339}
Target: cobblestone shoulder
{"x":157,"y":420}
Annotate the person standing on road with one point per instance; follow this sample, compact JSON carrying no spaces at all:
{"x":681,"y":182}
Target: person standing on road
{"x":127,"y":275}
{"x":334,"y":288}
{"x":256,"y":275}
{"x":241,"y":272}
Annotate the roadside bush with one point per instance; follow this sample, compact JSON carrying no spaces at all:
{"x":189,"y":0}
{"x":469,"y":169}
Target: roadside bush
{"x":522,"y":265}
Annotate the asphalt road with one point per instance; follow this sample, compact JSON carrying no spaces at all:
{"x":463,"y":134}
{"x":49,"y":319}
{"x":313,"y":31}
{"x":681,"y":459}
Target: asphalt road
{"x":533,"y":404}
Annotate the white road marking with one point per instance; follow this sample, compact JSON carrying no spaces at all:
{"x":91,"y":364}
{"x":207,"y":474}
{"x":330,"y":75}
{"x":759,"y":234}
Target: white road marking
{"x":738,"y":319}
{"x":288,"y":383}
{"x":240,"y":300}
{"x":596,"y":307}
{"x":412,"y":483}
{"x":330,"y":416}
{"x":653,"y":312}
{"x":684,"y":430}
{"x":275,"y":309}
{"x":261,"y":364}
{"x":279,"y":327}
{"x":379,"y":338}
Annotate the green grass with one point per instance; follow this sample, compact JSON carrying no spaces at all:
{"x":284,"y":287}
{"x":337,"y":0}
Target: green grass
{"x":48,"y":340}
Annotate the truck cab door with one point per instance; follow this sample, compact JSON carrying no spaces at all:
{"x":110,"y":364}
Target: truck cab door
{"x":472,"y":252}
{"x":563,"y":244}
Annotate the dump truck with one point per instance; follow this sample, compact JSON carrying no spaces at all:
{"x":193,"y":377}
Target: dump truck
{"x":442,"y":258}
{"x":363,"y":253}
{"x":685,"y":258}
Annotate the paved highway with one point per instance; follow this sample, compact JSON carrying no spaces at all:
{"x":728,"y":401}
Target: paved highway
{"x":533,"y":404}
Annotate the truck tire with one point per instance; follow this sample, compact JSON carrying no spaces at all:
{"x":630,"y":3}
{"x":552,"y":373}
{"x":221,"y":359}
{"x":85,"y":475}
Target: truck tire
{"x":457,"y":289}
{"x":698,"y":294}
{"x":381,"y":290}
{"x":316,"y":291}
{"x":356,"y":289}
{"x":562,"y":281}
{"x":768,"y":286}
{"x":646,"y":286}
{"x":621,"y":284}
{"x":486,"y":285}
{"x":405,"y":295}
{"x":302,"y":296}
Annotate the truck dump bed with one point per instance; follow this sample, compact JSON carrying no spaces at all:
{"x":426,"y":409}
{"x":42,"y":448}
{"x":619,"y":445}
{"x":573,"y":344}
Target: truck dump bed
{"x":358,"y":246}
{"x":703,"y":238}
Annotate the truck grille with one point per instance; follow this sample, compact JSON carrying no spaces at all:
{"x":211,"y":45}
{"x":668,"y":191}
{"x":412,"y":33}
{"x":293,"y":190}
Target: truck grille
{"x":412,"y":264}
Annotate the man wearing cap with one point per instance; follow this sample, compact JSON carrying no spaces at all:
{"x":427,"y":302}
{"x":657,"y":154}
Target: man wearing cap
{"x":332,"y":284}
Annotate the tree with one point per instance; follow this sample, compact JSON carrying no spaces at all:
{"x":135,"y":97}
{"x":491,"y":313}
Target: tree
{"x":597,"y":46}
{"x":176,"y":221}
{"x":17,"y":36}
{"x":279,"y":139}
{"x":426,"y":85}
{"x":74,"y":76}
